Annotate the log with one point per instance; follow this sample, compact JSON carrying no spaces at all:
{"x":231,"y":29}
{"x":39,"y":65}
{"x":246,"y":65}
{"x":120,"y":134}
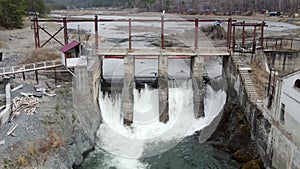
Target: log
{"x":11,"y":129}
{"x":17,"y":88}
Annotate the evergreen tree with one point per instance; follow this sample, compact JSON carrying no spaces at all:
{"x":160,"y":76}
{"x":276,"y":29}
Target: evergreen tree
{"x":36,"y":6}
{"x":11,"y":13}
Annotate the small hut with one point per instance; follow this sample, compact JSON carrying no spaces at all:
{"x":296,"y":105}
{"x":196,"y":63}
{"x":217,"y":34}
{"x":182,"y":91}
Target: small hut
{"x":71,"y":53}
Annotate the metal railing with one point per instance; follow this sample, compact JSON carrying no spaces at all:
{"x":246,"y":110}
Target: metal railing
{"x":29,"y":67}
{"x":170,"y":51}
{"x":279,"y":43}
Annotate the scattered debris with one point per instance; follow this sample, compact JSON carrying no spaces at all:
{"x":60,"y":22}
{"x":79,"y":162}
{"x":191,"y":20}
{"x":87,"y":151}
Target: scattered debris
{"x":50,"y":93}
{"x":17,"y":88}
{"x":11,"y":129}
{"x":38,"y":94}
{"x":39,"y":88}
{"x":2,"y":107}
{"x":49,"y":85}
{"x":27,"y":104}
{"x":2,"y":142}
{"x":40,"y":91}
{"x":26,"y":94}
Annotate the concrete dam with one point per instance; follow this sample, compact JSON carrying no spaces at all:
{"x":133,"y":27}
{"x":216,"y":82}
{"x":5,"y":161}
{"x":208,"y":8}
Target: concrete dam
{"x":147,"y":94}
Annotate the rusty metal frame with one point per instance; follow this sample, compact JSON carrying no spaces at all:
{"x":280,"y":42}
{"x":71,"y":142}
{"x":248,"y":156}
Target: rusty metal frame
{"x":254,"y":25}
{"x":51,"y":36}
{"x":65,"y":22}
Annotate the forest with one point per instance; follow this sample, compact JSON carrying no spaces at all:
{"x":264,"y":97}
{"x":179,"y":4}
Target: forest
{"x":12,"y":11}
{"x":186,"y":5}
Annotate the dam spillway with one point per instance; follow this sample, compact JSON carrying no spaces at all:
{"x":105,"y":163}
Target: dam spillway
{"x":146,"y":136}
{"x":128,"y":73}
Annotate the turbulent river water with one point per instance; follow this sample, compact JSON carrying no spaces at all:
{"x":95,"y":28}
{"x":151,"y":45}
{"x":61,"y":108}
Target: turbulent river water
{"x":151,"y":144}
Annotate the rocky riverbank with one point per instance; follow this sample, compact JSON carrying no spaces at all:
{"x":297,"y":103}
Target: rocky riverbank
{"x":54,"y":136}
{"x":233,"y":136}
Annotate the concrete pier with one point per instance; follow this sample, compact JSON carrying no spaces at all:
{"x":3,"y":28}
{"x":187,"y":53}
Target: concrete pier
{"x":127,"y":103}
{"x":163,"y":90}
{"x":197,"y":75}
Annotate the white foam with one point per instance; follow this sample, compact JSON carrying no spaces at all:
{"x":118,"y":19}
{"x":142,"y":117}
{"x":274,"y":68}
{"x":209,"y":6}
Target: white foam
{"x":147,"y":136}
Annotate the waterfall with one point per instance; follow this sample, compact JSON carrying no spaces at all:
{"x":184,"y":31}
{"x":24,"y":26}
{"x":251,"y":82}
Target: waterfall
{"x":123,"y":146}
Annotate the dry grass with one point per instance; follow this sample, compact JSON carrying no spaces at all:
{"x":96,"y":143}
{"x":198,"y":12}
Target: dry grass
{"x":37,"y":152}
{"x":1,"y":44}
{"x":21,"y":161}
{"x":39,"y":55}
{"x":259,"y":78}
{"x":47,"y":144}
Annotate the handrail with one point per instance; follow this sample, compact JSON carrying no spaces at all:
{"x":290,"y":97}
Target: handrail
{"x":28,"y":67}
{"x":166,"y":51}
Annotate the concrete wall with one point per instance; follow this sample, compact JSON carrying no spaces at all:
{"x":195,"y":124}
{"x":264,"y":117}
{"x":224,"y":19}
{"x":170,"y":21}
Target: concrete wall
{"x":284,"y":153}
{"x":260,"y":126}
{"x":284,"y":62}
{"x":5,"y":114}
{"x":290,"y":96}
{"x":85,"y":95}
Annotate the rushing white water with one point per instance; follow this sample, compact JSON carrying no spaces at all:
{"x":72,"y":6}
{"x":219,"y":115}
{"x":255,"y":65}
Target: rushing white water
{"x":147,"y":136}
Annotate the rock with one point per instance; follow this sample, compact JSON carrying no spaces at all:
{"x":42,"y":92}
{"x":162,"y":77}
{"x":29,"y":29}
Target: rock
{"x":207,"y":28}
{"x":254,"y":164}
{"x":38,"y":94}
{"x":214,"y":32}
{"x":240,"y":139}
{"x":244,"y":155}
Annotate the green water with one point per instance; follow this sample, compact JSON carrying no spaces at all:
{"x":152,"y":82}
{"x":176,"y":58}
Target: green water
{"x":188,"y":154}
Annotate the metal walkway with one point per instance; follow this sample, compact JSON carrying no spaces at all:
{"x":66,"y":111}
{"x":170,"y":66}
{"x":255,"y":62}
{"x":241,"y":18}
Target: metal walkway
{"x":4,"y":71}
{"x":205,"y":51}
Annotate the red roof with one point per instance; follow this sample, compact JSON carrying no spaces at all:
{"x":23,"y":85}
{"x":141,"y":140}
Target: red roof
{"x":70,"y":46}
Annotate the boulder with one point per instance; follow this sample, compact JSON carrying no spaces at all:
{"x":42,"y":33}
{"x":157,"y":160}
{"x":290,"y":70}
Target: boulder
{"x":254,"y":164}
{"x":244,"y":155}
{"x":240,"y":139}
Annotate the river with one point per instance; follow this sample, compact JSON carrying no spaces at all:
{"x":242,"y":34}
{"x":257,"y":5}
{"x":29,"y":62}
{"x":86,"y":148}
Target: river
{"x":151,"y":144}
